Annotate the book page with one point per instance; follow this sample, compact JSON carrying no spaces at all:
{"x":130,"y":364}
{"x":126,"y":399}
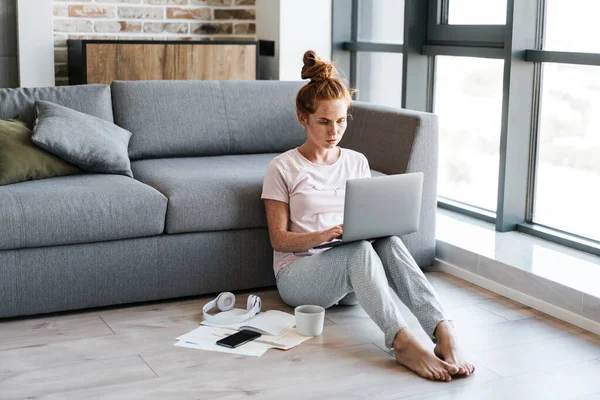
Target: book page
{"x":272,"y":322}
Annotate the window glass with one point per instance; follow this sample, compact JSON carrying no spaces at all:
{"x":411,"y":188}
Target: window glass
{"x":468,"y":102}
{"x":572,"y":25}
{"x":381,"y":21}
{"x":477,"y":12}
{"x":567,"y":190}
{"x":379,"y":78}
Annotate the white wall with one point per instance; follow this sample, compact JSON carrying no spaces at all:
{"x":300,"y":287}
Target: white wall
{"x":295,"y":26}
{"x":35,"y":43}
{"x":306,"y":25}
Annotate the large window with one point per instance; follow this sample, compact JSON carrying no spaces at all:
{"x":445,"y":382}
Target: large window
{"x":477,"y":12}
{"x":567,"y":169}
{"x":516,"y":87}
{"x":468,"y":102}
{"x":545,"y":134}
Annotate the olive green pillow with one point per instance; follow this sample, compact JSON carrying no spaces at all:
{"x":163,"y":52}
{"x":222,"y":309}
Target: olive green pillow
{"x":21,"y":160}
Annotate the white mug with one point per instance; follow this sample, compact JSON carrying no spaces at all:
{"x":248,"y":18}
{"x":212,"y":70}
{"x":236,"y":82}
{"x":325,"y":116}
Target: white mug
{"x":309,"y":320}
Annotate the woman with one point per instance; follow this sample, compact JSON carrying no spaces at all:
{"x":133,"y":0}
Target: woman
{"x":303,"y":192}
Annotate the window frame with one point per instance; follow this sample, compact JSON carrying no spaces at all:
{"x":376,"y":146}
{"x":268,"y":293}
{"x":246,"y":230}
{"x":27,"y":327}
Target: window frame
{"x":440,"y":31}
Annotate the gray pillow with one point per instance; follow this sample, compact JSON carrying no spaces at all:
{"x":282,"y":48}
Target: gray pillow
{"x":90,"y":143}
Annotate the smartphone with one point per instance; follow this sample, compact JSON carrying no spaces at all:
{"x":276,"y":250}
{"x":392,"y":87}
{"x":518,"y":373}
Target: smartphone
{"x":238,"y":339}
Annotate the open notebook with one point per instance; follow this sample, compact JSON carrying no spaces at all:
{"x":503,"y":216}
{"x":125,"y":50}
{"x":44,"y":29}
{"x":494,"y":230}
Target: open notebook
{"x":272,"y":322}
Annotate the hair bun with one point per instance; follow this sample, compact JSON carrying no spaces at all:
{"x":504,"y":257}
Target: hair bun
{"x":316,"y":69}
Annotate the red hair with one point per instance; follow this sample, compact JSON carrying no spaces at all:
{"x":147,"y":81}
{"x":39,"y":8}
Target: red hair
{"x":322,"y":86}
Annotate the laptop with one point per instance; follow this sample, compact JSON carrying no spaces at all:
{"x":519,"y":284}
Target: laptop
{"x":380,"y":206}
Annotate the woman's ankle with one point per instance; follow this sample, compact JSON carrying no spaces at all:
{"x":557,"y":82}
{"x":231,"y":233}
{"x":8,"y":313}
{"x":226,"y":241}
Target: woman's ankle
{"x":444,"y":330}
{"x":402,"y":339}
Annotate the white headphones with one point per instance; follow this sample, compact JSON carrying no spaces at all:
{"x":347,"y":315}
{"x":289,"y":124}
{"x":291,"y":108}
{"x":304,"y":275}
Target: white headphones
{"x":225,"y":302}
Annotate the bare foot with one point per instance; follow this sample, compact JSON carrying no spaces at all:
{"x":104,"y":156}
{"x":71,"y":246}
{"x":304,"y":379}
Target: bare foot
{"x":411,"y":354}
{"x":448,"y":350}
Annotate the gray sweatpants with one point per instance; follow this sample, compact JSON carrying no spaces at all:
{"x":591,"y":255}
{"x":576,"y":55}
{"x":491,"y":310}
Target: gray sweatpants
{"x":368,"y":270}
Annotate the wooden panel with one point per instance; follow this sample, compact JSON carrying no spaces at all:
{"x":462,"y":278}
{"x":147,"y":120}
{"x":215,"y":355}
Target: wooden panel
{"x":101,"y":60}
{"x":218,"y":62}
{"x":108,"y":62}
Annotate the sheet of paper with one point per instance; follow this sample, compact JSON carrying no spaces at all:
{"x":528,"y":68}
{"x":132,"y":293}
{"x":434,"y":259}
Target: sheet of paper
{"x":271,"y":321}
{"x":285,"y":341}
{"x":244,"y":350}
{"x":202,"y":338}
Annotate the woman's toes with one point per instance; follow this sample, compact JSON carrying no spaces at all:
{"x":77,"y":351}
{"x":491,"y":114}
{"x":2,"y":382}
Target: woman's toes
{"x":441,"y":376}
{"x":444,"y":375}
{"x":442,"y":372}
{"x":447,"y":376}
{"x":467,"y":368}
{"x":451,"y":368}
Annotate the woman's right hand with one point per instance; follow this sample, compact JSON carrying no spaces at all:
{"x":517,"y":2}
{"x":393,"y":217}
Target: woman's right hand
{"x":332,"y":233}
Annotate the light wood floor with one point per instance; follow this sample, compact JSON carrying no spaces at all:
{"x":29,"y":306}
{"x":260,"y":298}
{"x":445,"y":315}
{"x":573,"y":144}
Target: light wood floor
{"x":128,"y":353}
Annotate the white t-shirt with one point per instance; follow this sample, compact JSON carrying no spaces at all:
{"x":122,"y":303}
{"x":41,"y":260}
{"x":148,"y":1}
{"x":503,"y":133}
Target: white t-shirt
{"x":315,"y":193}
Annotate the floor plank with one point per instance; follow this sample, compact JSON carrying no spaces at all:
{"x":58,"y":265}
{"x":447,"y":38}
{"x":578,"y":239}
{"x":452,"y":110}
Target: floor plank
{"x":95,"y":373}
{"x":564,"y":383}
{"x":465,"y":296}
{"x":41,"y":331}
{"x":509,"y":309}
{"x":510,"y":333}
{"x":541,"y":355}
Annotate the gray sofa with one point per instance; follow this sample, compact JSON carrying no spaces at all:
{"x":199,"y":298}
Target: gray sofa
{"x":191,"y":221}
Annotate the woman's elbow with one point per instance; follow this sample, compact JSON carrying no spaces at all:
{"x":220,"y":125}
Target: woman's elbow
{"x":277,"y":249}
{"x":275,"y":243}
{"x":279,"y":241}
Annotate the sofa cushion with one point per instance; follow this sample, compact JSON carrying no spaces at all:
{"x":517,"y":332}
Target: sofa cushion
{"x":209,"y":193}
{"x":90,"y":99}
{"x":78,"y":209}
{"x":207,"y":118}
{"x":91,"y":143}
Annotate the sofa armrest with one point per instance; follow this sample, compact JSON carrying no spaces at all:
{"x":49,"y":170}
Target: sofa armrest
{"x":396,"y":141}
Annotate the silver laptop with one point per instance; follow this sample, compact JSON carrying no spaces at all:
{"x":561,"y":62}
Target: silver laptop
{"x":380,"y":206}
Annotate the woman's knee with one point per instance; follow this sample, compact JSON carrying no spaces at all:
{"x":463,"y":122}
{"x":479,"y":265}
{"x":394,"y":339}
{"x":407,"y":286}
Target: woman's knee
{"x":386,"y":244}
{"x":360,"y":248}
{"x":298,"y":293}
{"x":391,"y":241}
{"x":363,"y":259}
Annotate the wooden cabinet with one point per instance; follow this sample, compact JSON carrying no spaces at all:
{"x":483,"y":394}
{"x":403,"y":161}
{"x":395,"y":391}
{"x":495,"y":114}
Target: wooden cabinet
{"x":102,"y":61}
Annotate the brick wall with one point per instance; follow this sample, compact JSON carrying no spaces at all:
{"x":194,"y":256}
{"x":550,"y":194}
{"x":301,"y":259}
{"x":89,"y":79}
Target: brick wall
{"x":148,"y":20}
